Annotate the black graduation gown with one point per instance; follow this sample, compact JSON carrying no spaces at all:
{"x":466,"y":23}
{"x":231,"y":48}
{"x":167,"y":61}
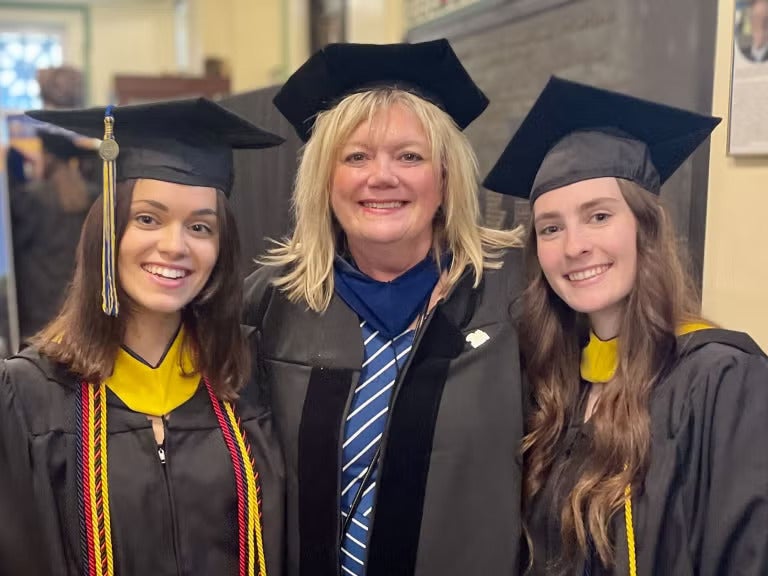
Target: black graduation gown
{"x":449,"y":485}
{"x":177,"y":518}
{"x":703,"y":506}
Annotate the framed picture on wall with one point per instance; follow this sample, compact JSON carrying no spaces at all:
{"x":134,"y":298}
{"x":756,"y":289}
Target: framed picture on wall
{"x":748,"y":126}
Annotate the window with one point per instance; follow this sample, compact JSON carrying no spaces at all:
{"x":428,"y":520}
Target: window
{"x":21,"y":54}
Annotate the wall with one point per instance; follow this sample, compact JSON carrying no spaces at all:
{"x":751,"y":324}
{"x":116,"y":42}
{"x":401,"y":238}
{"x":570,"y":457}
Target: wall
{"x":735,"y":291}
{"x":261,"y":42}
{"x":375,"y":21}
{"x":130,"y":37}
{"x":649,"y":48}
{"x":512,"y":61}
{"x":107,"y":37}
{"x":257,"y":43}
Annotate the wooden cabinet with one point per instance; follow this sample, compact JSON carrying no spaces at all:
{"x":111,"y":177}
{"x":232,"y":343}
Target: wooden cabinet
{"x":137,"y":89}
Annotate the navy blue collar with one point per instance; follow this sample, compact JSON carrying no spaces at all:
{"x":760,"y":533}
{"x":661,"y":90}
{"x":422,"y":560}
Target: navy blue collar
{"x":390,"y":307}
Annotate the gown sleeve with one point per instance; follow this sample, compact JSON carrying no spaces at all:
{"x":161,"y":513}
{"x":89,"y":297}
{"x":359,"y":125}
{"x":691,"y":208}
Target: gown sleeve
{"x":22,"y":551}
{"x":257,"y":293}
{"x":732,"y":525}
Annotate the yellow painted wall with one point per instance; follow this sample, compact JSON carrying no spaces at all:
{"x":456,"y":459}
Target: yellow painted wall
{"x":735,"y":290}
{"x":130,"y":37}
{"x":261,"y":41}
{"x":375,"y":21}
{"x":257,"y":43}
{"x":298,"y":31}
{"x":210,"y":28}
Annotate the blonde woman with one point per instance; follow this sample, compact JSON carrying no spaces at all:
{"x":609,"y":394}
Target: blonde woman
{"x":643,"y":453}
{"x":384,"y":322}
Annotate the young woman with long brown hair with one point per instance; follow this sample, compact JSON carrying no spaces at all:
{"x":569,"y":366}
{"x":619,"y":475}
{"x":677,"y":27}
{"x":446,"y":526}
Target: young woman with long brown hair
{"x":129,"y":417}
{"x":643,"y":451}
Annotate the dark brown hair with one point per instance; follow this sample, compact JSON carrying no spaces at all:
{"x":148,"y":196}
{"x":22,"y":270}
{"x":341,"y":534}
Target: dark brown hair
{"x":552,"y":335}
{"x":86,"y":340}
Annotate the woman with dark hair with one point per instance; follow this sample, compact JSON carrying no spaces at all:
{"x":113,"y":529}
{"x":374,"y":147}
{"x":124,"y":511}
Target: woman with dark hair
{"x":643,"y":451}
{"x":385,"y":331}
{"x":129,"y":416}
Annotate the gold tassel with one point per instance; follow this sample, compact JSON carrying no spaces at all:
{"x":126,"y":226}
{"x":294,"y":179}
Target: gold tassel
{"x":109,"y":150}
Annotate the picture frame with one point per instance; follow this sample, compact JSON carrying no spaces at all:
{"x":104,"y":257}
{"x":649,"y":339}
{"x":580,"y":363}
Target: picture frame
{"x":748,"y":108}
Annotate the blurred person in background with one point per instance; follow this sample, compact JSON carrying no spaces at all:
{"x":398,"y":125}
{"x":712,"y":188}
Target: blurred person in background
{"x":61,"y":87}
{"x":46,"y":218}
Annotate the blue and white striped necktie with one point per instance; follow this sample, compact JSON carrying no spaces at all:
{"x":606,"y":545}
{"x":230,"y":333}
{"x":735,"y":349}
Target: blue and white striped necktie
{"x":363,"y":431}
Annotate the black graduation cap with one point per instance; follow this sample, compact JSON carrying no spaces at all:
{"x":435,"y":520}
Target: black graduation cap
{"x":183,"y":141}
{"x":577,"y":132}
{"x":62,"y":146}
{"x":187,"y":142}
{"x":429,"y":69}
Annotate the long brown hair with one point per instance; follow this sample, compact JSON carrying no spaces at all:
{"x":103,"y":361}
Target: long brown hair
{"x":552,"y":335}
{"x":86,"y":340}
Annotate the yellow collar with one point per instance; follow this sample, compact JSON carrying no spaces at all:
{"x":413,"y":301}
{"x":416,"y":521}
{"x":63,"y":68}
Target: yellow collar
{"x":155,"y":391}
{"x":600,"y":358}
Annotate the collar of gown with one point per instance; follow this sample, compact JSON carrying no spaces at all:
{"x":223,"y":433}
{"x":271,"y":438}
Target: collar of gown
{"x":600,"y":358}
{"x":155,"y":390}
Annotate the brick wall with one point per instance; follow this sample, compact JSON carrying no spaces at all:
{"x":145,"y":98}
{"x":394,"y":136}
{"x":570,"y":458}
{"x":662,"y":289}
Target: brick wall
{"x":650,"y":48}
{"x":512,"y":62}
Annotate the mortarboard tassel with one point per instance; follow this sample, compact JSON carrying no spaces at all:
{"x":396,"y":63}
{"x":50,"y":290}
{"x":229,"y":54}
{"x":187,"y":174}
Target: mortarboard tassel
{"x":109,"y":151}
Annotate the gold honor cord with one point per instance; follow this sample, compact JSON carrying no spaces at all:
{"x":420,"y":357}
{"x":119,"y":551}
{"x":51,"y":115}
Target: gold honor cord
{"x":630,"y":531}
{"x":109,"y":150}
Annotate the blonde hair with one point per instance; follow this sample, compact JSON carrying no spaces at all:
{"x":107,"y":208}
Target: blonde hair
{"x":308,"y":254}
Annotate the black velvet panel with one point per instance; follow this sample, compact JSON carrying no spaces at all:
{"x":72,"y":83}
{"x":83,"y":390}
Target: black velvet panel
{"x":319,"y":465}
{"x":397,"y":518}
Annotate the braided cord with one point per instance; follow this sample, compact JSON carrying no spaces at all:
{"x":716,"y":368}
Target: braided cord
{"x":105,"y":524}
{"x":630,"y":531}
{"x":83,"y":497}
{"x":239,"y":480}
{"x":256,"y":501}
{"x":253,"y":519}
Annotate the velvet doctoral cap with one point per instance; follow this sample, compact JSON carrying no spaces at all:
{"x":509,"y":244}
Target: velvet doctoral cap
{"x":430,"y":70}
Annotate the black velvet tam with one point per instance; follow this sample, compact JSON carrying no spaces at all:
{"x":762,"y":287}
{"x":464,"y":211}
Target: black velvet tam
{"x":429,"y":69}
